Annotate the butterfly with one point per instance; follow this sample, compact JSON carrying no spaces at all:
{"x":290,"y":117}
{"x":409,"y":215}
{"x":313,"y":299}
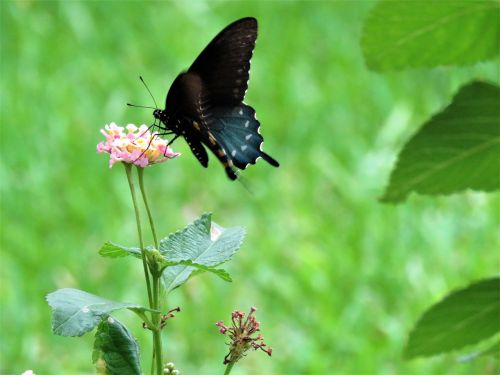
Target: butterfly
{"x":205,"y":105}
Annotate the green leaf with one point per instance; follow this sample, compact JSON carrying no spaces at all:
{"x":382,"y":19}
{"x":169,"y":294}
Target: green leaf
{"x":463,"y":318}
{"x":75,"y":312}
{"x":202,"y":242}
{"x":492,"y":351}
{"x":223,"y":274}
{"x":112,"y":250}
{"x":115,"y":350}
{"x":487,"y":348}
{"x":411,"y":34}
{"x":457,"y":149}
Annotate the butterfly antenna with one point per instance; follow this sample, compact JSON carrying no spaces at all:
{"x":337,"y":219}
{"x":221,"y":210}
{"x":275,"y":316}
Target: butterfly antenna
{"x":140,"y":106}
{"x":147,"y":88}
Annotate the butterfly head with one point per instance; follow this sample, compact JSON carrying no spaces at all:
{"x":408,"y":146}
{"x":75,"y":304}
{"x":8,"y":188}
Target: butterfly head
{"x":161,"y":115}
{"x":157,"y":114}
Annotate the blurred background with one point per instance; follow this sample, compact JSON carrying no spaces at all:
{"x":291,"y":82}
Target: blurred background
{"x":338,"y":278}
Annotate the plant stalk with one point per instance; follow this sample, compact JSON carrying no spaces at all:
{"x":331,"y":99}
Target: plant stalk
{"x":229,"y":367}
{"x":140,"y":173}
{"x":157,"y":344}
{"x":128,"y":170}
{"x":156,"y":322}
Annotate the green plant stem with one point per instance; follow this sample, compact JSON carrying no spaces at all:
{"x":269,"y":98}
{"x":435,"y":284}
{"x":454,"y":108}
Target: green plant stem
{"x":128,"y":170}
{"x":153,"y":368}
{"x":156,"y":322}
{"x":229,"y":367}
{"x":157,"y":344}
{"x":140,"y":173}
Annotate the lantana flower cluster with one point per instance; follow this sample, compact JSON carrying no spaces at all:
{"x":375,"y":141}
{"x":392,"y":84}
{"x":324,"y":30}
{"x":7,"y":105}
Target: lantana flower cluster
{"x":242,"y":335}
{"x":134,"y":145}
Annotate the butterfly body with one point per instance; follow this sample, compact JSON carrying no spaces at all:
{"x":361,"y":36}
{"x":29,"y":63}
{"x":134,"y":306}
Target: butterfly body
{"x":205,"y":104}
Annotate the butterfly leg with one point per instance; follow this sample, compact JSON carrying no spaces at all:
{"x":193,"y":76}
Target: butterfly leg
{"x":173,"y":139}
{"x":168,"y":143}
{"x":149,"y":145}
{"x":148,"y":129}
{"x":152,"y":138}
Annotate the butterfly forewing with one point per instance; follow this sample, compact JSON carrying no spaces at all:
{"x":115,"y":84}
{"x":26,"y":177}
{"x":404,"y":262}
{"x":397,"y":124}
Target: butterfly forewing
{"x":184,"y":99}
{"x":224,"y":64}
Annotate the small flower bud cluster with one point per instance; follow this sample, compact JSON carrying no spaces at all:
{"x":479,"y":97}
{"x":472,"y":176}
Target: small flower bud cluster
{"x":135,"y":145}
{"x":242,"y":335}
{"x":170,"y":369}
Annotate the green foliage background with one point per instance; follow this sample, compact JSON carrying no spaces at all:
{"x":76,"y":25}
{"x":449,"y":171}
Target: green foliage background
{"x":339,"y":278}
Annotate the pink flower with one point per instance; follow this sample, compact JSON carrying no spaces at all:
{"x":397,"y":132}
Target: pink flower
{"x":134,"y":145}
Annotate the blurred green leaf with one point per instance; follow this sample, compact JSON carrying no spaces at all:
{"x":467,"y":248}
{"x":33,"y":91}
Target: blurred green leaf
{"x":112,"y":250}
{"x":115,"y":349}
{"x":457,"y":149}
{"x":409,"y":34}
{"x":464,"y":317}
{"x":75,"y":312}
{"x":201,"y":242}
{"x":492,"y":351}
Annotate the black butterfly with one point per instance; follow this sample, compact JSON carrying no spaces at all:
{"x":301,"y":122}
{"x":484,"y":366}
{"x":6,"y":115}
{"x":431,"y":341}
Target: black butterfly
{"x":205,"y":104}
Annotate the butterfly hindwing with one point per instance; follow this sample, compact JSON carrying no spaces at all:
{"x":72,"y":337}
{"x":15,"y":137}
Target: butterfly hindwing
{"x":200,"y":135}
{"x":198,"y":150}
{"x":237,"y":131}
{"x":224,"y":64}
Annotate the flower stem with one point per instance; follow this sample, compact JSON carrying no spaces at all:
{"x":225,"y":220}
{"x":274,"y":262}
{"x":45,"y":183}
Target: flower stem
{"x":157,"y":345}
{"x":156,"y":321}
{"x":128,"y":170}
{"x":153,"y":368}
{"x":140,"y":173}
{"x":229,"y":367}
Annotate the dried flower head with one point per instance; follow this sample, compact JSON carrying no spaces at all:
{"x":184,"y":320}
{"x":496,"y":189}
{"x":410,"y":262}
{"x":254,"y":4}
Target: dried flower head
{"x":134,"y":145}
{"x":243,"y":335}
